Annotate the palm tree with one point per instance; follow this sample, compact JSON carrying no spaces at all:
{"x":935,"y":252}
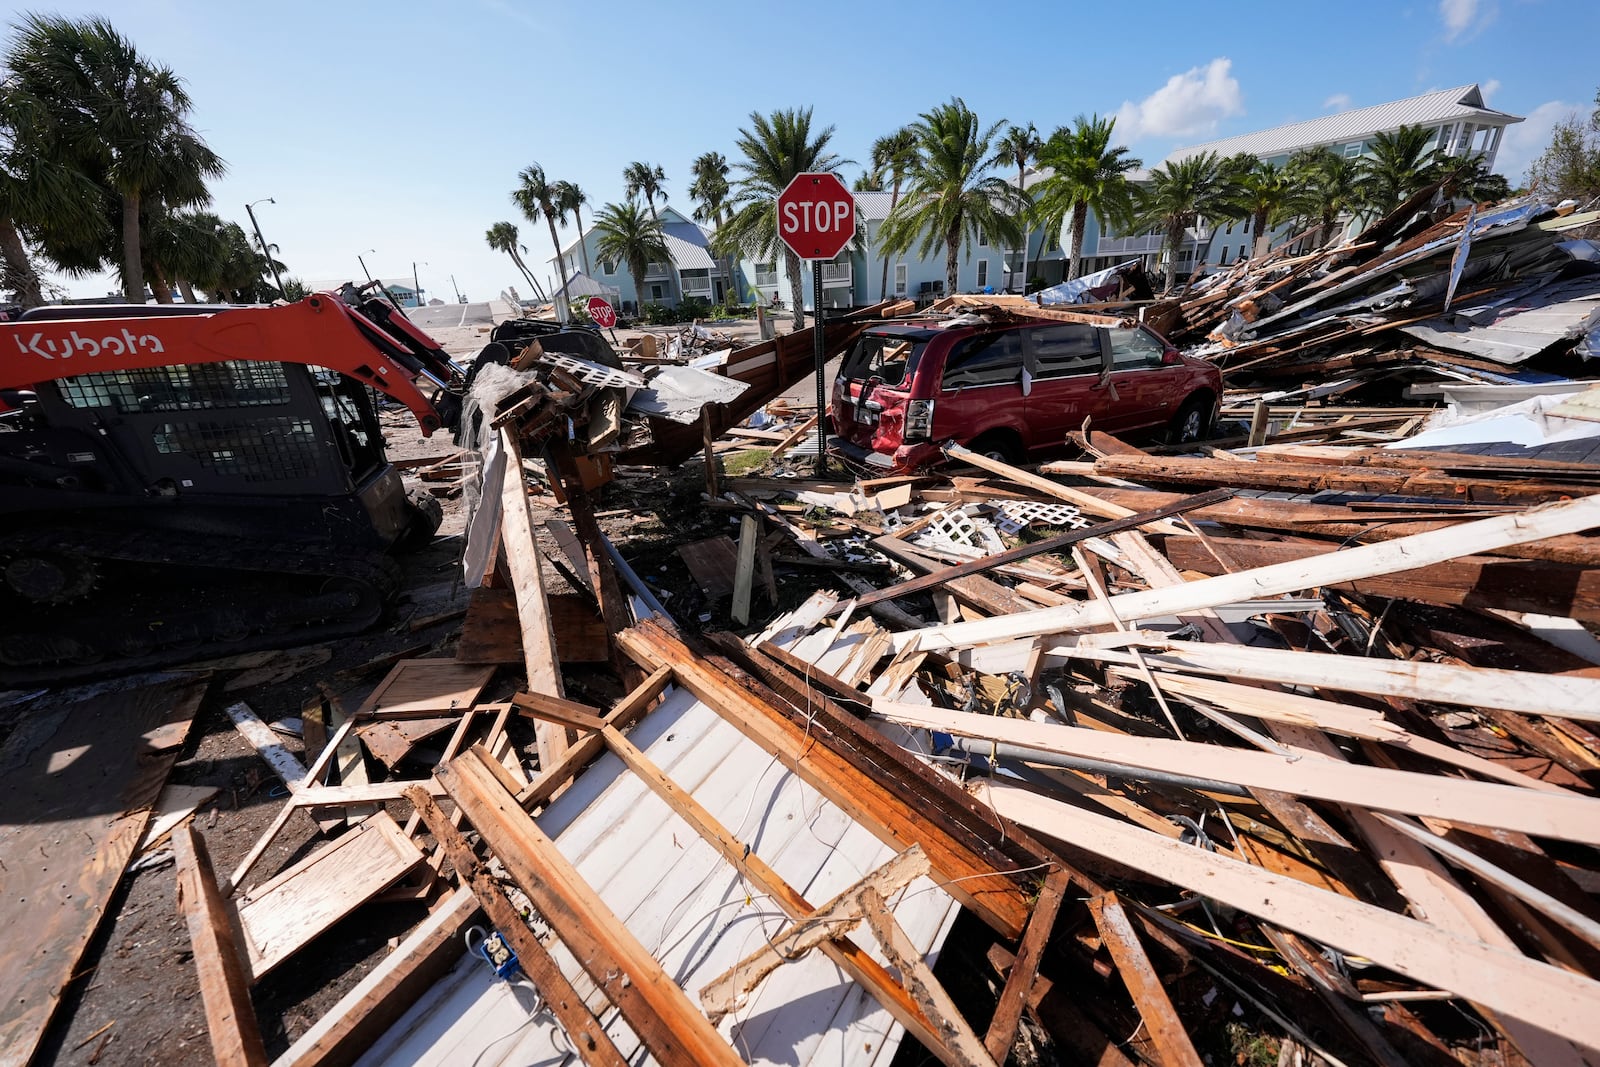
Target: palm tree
{"x":1400,"y":164}
{"x":776,"y":148}
{"x":641,"y":179}
{"x":124,"y":120}
{"x":710,"y":191}
{"x":1088,"y":174}
{"x":952,"y":191}
{"x":35,"y":189}
{"x":1265,"y":194}
{"x":626,"y":235}
{"x":535,"y":196}
{"x":1018,"y":145}
{"x":1469,"y":179}
{"x":893,"y":155}
{"x":570,"y":198}
{"x":1329,"y":186}
{"x":502,"y":237}
{"x":1177,"y":197}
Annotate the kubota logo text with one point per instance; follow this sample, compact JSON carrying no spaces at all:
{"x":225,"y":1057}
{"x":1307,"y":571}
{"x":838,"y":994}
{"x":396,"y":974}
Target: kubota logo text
{"x":75,"y":344}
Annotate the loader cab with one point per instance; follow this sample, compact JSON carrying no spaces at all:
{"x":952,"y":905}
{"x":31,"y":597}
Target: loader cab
{"x":269,"y":445}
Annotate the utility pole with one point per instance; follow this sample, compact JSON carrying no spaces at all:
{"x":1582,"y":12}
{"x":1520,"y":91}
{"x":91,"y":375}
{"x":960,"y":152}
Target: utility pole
{"x":250,"y":208}
{"x":454,"y":289}
{"x":363,"y":263}
{"x":416,"y":283}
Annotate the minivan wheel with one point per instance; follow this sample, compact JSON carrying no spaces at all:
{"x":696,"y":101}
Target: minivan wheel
{"x":998,"y":446}
{"x":1192,"y":422}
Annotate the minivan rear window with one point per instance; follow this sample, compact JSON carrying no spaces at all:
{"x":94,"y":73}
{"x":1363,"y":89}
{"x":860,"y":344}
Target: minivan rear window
{"x":891,"y":360}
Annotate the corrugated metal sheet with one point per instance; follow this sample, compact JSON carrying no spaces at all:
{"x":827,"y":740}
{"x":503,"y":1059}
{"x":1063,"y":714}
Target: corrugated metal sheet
{"x":1447,"y":105}
{"x":1517,"y":330}
{"x":690,"y":909}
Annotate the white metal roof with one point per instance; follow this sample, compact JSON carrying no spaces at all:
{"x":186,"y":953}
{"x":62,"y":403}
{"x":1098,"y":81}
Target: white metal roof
{"x":1429,"y":109}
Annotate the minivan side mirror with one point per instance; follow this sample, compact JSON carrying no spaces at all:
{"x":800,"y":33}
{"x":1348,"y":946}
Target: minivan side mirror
{"x":1170,"y":358}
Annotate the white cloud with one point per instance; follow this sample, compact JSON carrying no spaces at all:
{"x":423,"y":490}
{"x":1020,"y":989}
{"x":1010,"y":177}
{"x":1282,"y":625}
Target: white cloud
{"x":1338,"y":102}
{"x":1523,"y":143}
{"x":1462,"y":18}
{"x":1489,"y":88}
{"x":1190,"y":103}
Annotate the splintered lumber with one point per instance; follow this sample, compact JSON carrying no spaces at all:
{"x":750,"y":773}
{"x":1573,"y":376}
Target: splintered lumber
{"x":816,"y":927}
{"x":418,"y":698}
{"x":80,"y":780}
{"x":362,"y":1015}
{"x":588,"y":1037}
{"x":521,"y":554}
{"x":660,"y":1013}
{"x":971,"y":855}
{"x":624,"y":714}
{"x":1049,"y":544}
{"x":744,"y":573}
{"x":1139,"y":975}
{"x":1025,"y":966}
{"x":1470,"y":581}
{"x":964,"y":1048}
{"x":1351,"y":564}
{"x":1512,"y":985}
{"x":1566,"y":816}
{"x":283,"y":915}
{"x":224,"y":983}
{"x":1314,"y":477}
{"x":1571,"y":696}
{"x":846,"y":953}
{"x":1087,"y":501}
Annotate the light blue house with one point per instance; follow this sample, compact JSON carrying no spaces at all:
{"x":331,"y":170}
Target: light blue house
{"x":692,"y":271}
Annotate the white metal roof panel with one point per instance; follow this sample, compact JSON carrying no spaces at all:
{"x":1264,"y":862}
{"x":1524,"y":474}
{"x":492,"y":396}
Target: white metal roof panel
{"x":1447,"y":105}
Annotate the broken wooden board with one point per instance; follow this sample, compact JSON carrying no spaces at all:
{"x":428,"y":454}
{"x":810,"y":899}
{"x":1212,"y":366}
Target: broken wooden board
{"x":224,"y":984}
{"x":176,"y":803}
{"x":283,"y":915}
{"x":712,"y":563}
{"x":492,"y":633}
{"x":417,"y":686}
{"x":78,"y":782}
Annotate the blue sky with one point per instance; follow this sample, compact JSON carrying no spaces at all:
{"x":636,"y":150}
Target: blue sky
{"x":400,"y":127}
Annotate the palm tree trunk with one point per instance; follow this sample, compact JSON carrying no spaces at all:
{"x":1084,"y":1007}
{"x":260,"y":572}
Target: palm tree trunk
{"x":538,"y":290}
{"x":1259,"y":219}
{"x":638,"y":291}
{"x":19,"y":273}
{"x":583,"y":245}
{"x":1174,"y":239}
{"x":791,"y":267}
{"x":561,"y":266}
{"x":894,"y":201}
{"x":159,"y":286}
{"x":952,"y":241}
{"x":187,"y":289}
{"x":132,"y":263}
{"x":1027,"y":229}
{"x":1080,"y":219}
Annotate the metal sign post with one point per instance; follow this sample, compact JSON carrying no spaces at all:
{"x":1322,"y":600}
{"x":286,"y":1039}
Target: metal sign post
{"x":816,"y":220}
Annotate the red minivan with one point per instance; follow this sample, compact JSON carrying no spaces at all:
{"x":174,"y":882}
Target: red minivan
{"x":1012,"y":388}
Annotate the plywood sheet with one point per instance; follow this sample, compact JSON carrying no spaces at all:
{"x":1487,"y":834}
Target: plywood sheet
{"x":712,"y":562}
{"x":76,"y":784}
{"x":282,"y":916}
{"x":414,"y":686}
{"x":492,"y":634}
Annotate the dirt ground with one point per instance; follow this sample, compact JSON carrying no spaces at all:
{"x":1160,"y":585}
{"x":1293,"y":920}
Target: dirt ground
{"x":135,"y":998}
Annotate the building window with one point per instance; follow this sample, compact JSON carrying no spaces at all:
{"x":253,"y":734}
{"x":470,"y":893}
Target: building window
{"x":1230,"y":226}
{"x":983,"y":239}
{"x":656,"y":294}
{"x":900,"y":281}
{"x":766,"y":274}
{"x":983,"y":273}
{"x":1223,"y":261}
{"x":608,"y":266}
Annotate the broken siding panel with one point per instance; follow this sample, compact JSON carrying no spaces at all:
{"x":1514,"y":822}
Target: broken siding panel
{"x":689,"y":908}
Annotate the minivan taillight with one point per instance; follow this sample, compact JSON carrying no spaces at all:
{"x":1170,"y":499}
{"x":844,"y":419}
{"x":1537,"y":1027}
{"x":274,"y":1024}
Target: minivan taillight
{"x":919,"y":420}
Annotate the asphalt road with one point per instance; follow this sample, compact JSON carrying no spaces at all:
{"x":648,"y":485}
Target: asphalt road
{"x":451,"y":315}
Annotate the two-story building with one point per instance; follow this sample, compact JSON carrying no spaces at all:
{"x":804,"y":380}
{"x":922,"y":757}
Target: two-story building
{"x":691,"y":270}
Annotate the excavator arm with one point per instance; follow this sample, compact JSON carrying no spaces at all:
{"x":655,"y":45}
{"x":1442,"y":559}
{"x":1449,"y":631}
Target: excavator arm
{"x":368,"y":344}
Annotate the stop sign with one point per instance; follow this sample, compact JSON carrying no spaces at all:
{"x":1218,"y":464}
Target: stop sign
{"x":816,"y":216}
{"x":603,"y":314}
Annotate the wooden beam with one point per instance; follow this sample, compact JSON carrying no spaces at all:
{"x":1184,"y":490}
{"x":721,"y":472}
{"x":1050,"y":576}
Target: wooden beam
{"x":224,"y":984}
{"x":667,"y":1023}
{"x":555,"y":709}
{"x":1087,"y":501}
{"x":627,"y":711}
{"x":962,"y":1045}
{"x":583,"y":1030}
{"x":744,"y":574}
{"x":387,"y":991}
{"x":1541,"y":995}
{"x":1350,"y":564}
{"x":1139,"y":975}
{"x":1566,"y":816}
{"x":521,"y":554}
{"x":1025,"y":967}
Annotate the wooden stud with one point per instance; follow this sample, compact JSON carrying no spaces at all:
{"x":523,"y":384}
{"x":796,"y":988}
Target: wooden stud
{"x":224,"y":983}
{"x":1139,"y":975}
{"x":1013,"y":998}
{"x":744,"y":573}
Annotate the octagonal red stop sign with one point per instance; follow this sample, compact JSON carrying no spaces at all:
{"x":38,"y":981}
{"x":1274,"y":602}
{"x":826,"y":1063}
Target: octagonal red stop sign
{"x":601,"y":311}
{"x":816,"y":216}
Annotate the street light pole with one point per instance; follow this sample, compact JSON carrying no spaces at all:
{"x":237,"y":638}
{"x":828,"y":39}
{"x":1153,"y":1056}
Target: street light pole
{"x":416,"y":283}
{"x":363,"y":263}
{"x":250,"y":208}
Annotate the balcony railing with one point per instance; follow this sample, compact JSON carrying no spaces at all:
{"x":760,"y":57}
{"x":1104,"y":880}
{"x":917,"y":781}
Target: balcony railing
{"x":654,"y":271}
{"x":835,"y":275}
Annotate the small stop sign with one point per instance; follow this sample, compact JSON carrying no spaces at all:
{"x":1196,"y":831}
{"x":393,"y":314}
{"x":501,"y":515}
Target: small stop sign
{"x":816,"y":216}
{"x":603,"y":314}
